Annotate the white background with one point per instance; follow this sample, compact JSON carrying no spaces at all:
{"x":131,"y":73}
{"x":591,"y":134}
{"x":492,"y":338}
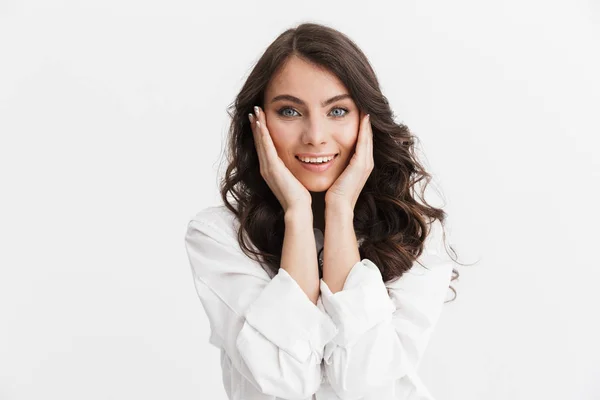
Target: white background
{"x":112,"y":116}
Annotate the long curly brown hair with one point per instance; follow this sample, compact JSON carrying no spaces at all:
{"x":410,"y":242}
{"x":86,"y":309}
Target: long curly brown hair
{"x":389,"y":221}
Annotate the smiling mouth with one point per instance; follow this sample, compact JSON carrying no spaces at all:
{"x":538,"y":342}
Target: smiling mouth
{"x":317,"y":163}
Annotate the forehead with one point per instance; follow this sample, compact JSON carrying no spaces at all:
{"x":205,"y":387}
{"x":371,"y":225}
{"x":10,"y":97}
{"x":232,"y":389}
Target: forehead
{"x":307,"y":81}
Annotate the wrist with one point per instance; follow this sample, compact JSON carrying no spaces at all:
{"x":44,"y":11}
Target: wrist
{"x":339,"y":210}
{"x":298,"y":215}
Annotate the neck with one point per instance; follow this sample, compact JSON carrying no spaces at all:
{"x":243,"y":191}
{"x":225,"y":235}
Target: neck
{"x":318,"y":210}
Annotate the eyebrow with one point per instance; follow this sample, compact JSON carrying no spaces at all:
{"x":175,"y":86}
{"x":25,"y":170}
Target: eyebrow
{"x":302,"y":103}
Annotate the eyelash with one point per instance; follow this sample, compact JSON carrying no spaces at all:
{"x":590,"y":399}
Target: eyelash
{"x":280,"y":111}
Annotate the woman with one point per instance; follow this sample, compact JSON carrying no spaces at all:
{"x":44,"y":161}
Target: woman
{"x":323,"y":278}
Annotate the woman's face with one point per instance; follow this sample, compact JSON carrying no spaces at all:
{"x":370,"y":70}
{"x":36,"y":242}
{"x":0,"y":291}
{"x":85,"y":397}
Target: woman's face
{"x":302,"y":121}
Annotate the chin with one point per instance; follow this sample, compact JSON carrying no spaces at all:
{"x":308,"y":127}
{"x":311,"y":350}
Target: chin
{"x":317,"y":185}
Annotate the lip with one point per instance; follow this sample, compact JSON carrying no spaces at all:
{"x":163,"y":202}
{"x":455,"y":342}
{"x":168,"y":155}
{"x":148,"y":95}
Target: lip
{"x":318,"y":167}
{"x":314,"y":155}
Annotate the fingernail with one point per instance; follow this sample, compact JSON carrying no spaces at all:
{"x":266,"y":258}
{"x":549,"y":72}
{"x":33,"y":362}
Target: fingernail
{"x":369,"y":116}
{"x":256,"y":110}
{"x":250,"y":117}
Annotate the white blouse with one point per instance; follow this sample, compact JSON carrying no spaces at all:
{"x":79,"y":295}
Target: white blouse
{"x":363,"y":342}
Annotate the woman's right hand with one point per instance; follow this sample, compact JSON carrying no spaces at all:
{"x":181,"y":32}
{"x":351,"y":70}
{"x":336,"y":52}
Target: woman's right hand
{"x":285,"y":186}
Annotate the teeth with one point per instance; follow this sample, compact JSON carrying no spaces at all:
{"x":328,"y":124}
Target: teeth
{"x":316,"y":160}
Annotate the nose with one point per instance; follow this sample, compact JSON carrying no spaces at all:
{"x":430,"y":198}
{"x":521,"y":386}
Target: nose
{"x":315,"y":131}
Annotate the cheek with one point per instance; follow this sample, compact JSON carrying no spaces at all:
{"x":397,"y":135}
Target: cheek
{"x":280,"y":137}
{"x":348,"y":137}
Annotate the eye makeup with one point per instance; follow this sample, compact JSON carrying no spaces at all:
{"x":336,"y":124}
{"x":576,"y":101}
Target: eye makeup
{"x":282,"y":109}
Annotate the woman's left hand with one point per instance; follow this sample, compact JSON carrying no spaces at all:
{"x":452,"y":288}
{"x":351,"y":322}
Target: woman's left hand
{"x":345,"y":190}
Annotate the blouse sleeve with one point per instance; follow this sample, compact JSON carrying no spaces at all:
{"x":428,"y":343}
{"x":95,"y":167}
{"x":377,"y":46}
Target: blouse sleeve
{"x":272,"y":332}
{"x":384,"y":328}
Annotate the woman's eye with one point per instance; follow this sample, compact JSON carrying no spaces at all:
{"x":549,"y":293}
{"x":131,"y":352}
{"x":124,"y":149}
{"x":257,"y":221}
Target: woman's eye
{"x":282,"y":111}
{"x":340,"y":115}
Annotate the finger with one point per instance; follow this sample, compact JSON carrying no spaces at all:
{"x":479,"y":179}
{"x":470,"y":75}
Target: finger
{"x":366,"y":141}
{"x":370,"y":140}
{"x":258,"y":143}
{"x":267,"y":141}
{"x":362,"y":145}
